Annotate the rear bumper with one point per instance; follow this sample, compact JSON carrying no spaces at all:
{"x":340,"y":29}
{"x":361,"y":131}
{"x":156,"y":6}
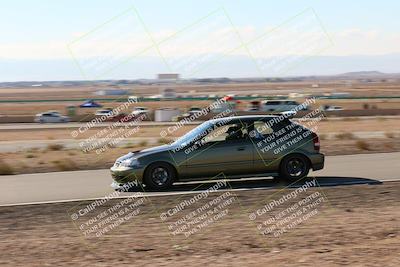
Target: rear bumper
{"x":317,"y":161}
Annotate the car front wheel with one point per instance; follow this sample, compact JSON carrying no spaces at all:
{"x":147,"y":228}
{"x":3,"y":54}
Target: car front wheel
{"x":159,"y":176}
{"x":294,"y":167}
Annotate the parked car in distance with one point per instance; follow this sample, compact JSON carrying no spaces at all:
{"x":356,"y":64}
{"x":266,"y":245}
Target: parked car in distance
{"x":331,"y":108}
{"x":139,"y":110}
{"x":194,"y":110}
{"x":279,"y":105}
{"x":104,"y":112}
{"x":229,"y":146}
{"x":51,"y":117}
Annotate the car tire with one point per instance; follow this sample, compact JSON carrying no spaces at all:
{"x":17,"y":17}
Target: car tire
{"x":294,"y":167}
{"x":159,"y":176}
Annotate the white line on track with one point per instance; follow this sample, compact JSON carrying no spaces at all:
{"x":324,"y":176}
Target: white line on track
{"x":180,"y":193}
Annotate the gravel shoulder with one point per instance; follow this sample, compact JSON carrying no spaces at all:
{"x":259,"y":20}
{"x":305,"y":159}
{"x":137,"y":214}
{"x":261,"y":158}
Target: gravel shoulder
{"x":356,"y":225}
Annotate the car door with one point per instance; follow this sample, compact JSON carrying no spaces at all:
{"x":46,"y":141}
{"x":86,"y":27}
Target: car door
{"x":54,"y":118}
{"x":46,"y":117}
{"x":265,"y":144}
{"x":220,"y":155}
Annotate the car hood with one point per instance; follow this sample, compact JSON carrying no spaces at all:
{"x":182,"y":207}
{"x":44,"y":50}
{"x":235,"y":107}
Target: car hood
{"x":139,"y":153}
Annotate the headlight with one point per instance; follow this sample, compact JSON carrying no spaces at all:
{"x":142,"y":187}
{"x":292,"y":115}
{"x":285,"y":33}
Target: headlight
{"x":129,"y":162}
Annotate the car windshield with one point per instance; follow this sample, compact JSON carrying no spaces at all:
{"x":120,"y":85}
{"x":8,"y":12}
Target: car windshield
{"x":193,"y":134}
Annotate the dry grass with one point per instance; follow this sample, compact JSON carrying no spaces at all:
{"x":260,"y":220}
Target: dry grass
{"x":351,"y":119}
{"x":129,"y":145}
{"x":33,"y":150}
{"x":71,"y":153}
{"x":362,"y":145}
{"x":55,"y":147}
{"x":390,"y":135}
{"x":342,"y":136}
{"x":143,"y":143}
{"x":164,"y":141}
{"x":5,"y":169}
{"x":389,"y":146}
{"x":65,"y":165}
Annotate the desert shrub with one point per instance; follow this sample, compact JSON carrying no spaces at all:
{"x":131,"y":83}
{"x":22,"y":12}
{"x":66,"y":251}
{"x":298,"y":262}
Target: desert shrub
{"x":390,"y":135}
{"x":33,"y":150}
{"x":71,"y":153}
{"x":5,"y":169}
{"x":389,"y":146}
{"x":65,"y":165}
{"x":143,"y":143}
{"x":164,"y":140}
{"x":362,"y":145}
{"x":55,"y":147}
{"x":342,"y":136}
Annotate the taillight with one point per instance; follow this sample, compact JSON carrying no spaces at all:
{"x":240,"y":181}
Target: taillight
{"x":317,"y":144}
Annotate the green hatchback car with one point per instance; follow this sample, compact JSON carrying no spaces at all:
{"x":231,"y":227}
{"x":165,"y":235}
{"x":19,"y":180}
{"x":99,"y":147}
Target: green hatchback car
{"x":234,"y":147}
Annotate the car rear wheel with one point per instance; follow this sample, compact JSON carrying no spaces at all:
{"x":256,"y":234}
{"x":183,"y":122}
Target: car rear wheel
{"x":159,"y":176}
{"x":294,"y":167}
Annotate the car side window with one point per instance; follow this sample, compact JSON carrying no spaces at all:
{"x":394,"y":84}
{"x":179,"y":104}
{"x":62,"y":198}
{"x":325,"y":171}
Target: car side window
{"x":261,"y":128}
{"x":226,"y":133}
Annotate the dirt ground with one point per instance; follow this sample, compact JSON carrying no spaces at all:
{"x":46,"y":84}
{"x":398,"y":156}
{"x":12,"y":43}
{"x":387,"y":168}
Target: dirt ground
{"x":355,"y":225}
{"x":345,"y":125}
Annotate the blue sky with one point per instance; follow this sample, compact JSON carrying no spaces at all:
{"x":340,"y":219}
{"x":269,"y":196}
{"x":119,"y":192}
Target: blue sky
{"x":41,"y":29}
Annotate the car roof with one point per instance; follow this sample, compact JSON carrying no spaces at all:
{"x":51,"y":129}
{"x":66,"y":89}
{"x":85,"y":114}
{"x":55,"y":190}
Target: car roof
{"x":245,"y":118}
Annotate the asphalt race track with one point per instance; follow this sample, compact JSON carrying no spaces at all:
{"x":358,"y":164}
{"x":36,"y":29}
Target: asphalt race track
{"x":79,"y":185}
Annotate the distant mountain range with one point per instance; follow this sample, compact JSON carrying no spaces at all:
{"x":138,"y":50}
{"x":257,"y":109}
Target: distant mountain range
{"x":359,"y":75}
{"x":369,"y":74}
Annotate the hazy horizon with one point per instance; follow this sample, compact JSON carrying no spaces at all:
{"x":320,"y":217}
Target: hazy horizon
{"x":236,"y":67}
{"x":91,"y":40}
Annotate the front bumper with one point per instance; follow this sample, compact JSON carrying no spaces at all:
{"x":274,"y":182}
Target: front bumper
{"x":122,"y":175}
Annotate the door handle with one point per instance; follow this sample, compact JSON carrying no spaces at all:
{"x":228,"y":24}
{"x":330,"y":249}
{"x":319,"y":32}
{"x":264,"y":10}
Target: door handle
{"x":241,"y":148}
